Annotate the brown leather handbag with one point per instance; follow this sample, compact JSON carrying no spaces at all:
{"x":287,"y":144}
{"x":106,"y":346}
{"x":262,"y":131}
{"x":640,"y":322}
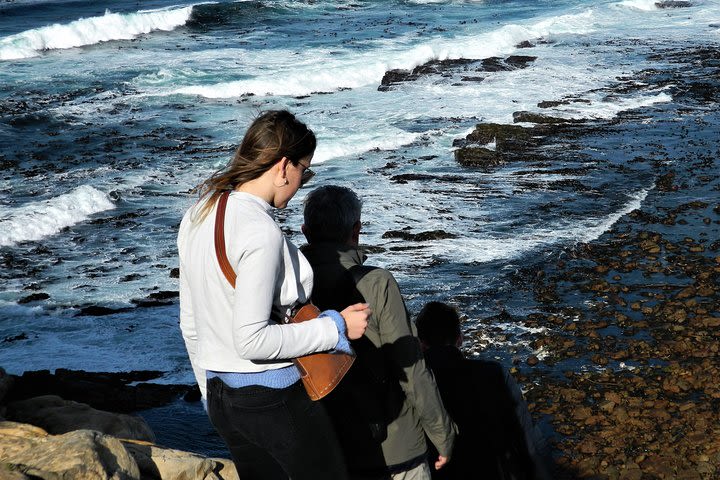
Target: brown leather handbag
{"x":320,"y":372}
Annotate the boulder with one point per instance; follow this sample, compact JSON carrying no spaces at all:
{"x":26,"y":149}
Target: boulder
{"x":57,"y":416}
{"x":165,"y":464}
{"x":79,"y":455}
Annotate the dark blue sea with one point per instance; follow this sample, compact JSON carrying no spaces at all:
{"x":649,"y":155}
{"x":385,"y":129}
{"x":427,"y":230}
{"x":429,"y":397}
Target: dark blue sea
{"x":111,"y":112}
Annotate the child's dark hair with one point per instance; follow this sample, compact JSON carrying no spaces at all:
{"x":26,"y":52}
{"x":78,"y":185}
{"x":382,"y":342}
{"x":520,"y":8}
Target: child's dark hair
{"x":438,"y":324}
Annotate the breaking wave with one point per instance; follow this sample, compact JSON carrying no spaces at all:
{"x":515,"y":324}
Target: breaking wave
{"x":89,"y":31}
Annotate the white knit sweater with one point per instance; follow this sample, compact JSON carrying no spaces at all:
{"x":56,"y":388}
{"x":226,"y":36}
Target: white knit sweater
{"x":230,"y":330}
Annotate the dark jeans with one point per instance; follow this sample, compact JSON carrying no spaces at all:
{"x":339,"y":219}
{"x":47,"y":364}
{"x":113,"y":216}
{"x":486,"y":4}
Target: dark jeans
{"x":275,"y":433}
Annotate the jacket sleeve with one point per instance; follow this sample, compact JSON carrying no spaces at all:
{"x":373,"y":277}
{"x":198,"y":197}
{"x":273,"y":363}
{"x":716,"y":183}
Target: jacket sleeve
{"x":399,"y":338}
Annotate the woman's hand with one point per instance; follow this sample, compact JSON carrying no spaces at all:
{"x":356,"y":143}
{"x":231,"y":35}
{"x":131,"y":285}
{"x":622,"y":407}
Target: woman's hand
{"x":356,"y":319}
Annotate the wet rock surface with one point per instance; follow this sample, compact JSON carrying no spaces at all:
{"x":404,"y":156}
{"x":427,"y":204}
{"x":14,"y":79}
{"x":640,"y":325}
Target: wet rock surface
{"x":470,"y":68}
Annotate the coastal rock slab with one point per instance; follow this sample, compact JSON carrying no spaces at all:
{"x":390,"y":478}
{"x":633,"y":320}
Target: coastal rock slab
{"x":165,"y":464}
{"x":57,"y":416}
{"x":78,"y":455}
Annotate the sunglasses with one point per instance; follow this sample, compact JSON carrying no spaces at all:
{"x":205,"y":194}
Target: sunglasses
{"x":306,"y":175}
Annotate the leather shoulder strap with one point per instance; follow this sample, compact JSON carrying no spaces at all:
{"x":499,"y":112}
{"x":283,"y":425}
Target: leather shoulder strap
{"x":220,"y":239}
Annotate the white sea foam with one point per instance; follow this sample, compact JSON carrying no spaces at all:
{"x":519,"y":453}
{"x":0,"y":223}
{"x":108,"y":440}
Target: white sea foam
{"x":34,"y":221}
{"x":360,"y":143}
{"x":498,"y":247}
{"x":646,"y":5}
{"x":610,"y":107}
{"x":323,"y":70}
{"x":89,"y":31}
{"x":593,"y":230}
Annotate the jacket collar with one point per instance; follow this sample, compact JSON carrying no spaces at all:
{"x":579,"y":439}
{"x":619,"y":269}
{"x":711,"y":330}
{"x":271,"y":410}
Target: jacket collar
{"x":327,"y":252}
{"x":444,"y":356}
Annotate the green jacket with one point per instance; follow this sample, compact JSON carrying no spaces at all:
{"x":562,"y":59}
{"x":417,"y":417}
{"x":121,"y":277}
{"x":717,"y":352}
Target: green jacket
{"x":390,"y":331}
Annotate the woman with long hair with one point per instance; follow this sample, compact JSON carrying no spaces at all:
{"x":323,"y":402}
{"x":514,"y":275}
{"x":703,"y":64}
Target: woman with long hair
{"x":240,"y":349}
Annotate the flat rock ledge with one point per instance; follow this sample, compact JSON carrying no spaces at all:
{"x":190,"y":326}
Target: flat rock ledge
{"x":51,"y":438}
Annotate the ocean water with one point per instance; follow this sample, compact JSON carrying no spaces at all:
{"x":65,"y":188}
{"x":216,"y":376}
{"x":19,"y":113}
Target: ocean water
{"x":110,"y":115}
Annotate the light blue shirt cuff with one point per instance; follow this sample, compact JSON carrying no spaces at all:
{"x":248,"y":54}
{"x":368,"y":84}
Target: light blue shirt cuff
{"x":343,"y":344}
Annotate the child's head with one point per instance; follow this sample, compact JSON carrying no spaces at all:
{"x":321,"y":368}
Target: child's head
{"x":439,"y":324}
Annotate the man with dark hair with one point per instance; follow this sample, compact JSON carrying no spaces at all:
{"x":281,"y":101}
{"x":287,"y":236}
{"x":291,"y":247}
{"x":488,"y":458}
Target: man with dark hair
{"x":388,"y":402}
{"x":497,"y":440}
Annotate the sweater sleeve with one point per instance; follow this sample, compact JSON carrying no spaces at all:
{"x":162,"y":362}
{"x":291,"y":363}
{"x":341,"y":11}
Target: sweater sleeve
{"x":260,"y":270}
{"x":187,"y":322}
{"x":398,"y":335}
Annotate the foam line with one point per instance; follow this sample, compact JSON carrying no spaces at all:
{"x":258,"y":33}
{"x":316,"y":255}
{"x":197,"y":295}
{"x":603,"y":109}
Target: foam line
{"x":493,"y":249}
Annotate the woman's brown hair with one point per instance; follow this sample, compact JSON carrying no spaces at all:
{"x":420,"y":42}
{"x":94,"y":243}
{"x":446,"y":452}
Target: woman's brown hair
{"x":272,"y":135}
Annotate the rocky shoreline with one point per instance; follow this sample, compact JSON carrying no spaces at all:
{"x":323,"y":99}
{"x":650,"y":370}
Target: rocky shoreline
{"x":627,"y":365}
{"x":45,"y":435}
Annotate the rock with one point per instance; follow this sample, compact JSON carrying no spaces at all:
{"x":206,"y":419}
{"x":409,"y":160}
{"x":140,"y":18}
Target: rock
{"x":433,"y":67}
{"x":494,"y":64}
{"x":78,"y":455}
{"x":101,"y":390}
{"x":57,"y":416}
{"x":11,"y":472}
{"x":478,"y":157}
{"x":6,"y":383}
{"x":531,"y":117}
{"x":519,"y":61}
{"x":506,"y":137}
{"x":156,"y":462}
{"x":393,"y":77}
{"x":673,"y":4}
{"x":665,"y":183}
{"x":156,"y":299}
{"x":511,"y":142}
{"x":98,"y":311}
{"x":34,"y":297}
{"x":418,"y":237}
